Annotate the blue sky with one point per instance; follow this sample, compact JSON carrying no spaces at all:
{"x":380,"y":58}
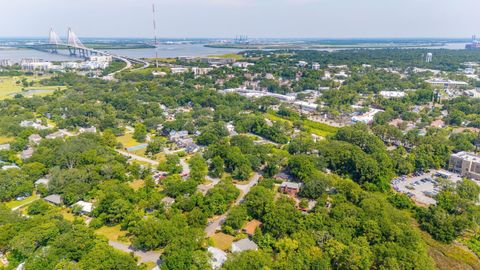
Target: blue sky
{"x":256,"y":18}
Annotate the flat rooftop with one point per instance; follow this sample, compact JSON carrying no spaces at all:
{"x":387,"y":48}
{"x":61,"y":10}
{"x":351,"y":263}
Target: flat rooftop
{"x":467,"y":156}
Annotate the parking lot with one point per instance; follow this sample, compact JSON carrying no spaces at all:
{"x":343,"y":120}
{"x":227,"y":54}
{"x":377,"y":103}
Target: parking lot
{"x":422,"y":188}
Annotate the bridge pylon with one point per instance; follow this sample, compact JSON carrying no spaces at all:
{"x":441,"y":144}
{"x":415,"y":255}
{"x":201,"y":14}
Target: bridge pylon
{"x":75,"y":44}
{"x":54,"y":40}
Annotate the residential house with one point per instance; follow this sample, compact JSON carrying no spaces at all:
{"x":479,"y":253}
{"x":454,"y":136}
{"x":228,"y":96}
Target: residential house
{"x":42,"y":181}
{"x":34,"y":138}
{"x":367,"y":117}
{"x":251,"y":226}
{"x":290,"y":188}
{"x":91,"y":129}
{"x":54,"y":199}
{"x":55,"y":135}
{"x":438,"y":124}
{"x":37,"y":124}
{"x":243,"y":245}
{"x":218,"y":257}
{"x":26,"y":154}
{"x":86,"y":208}
{"x":174,"y":136}
{"x":192,"y":148}
{"x":231,"y":129}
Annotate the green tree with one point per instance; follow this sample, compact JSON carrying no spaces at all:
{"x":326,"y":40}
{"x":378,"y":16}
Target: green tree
{"x":140,"y":133}
{"x":217,"y":167}
{"x":104,"y":257}
{"x":198,"y":168}
{"x":236,"y":217}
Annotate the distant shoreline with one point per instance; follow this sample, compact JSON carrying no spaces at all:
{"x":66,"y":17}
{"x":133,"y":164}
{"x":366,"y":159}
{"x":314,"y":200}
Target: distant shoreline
{"x":321,"y":46}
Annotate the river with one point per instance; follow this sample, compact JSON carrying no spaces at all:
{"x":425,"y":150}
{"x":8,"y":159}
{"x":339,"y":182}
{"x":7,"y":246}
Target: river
{"x":163,"y":51}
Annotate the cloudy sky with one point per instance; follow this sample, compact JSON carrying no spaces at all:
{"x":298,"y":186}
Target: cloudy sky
{"x":255,"y":18}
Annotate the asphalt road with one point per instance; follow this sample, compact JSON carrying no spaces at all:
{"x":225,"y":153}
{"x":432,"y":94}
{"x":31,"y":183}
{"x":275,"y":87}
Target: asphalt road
{"x":144,"y":256}
{"x":137,"y":157}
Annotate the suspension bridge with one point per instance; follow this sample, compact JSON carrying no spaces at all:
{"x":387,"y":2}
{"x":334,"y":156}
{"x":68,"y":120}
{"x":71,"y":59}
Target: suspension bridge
{"x":75,"y":47}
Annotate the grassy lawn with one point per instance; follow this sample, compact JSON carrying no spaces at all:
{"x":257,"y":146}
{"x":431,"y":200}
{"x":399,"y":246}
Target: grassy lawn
{"x":67,"y":214}
{"x":113,"y":233}
{"x":228,"y":55}
{"x":5,"y":140}
{"x":9,"y":86}
{"x":222,"y":241}
{"x":137,"y":184}
{"x":143,"y":163}
{"x":26,"y":201}
{"x":140,"y":152}
{"x":127,"y":140}
{"x":150,"y":265}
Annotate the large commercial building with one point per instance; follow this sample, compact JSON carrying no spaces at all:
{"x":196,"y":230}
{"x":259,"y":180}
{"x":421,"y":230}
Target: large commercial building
{"x":35,"y":64}
{"x":467,"y":164}
{"x":447,"y":84}
{"x":6,"y":63}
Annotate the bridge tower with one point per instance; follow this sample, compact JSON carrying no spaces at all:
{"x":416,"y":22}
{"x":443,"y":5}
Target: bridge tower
{"x":74,"y":44}
{"x":54,"y":40}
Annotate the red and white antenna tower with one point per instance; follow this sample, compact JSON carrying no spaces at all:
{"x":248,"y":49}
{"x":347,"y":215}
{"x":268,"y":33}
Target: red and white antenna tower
{"x":155,"y":31}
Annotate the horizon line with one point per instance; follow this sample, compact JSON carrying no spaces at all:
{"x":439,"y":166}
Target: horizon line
{"x":251,"y":38}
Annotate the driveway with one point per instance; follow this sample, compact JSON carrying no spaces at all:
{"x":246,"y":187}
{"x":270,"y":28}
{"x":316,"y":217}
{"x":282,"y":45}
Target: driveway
{"x":139,"y":158}
{"x":144,"y":256}
{"x":245,"y":189}
{"x":185,"y":167}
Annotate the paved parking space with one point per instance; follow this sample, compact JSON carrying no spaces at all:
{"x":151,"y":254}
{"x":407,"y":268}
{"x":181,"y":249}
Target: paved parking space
{"x":422,"y":188}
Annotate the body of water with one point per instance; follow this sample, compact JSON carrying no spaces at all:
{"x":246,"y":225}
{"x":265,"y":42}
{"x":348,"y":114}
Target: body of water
{"x":163,"y":51}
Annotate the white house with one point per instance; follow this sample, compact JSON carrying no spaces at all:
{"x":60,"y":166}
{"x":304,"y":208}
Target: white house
{"x":86,"y":207}
{"x":55,"y":135}
{"x":42,"y":181}
{"x":392,"y":94}
{"x":367,"y":117}
{"x":88,"y":130}
{"x":218,"y":257}
{"x":242,"y":64}
{"x":179,"y":70}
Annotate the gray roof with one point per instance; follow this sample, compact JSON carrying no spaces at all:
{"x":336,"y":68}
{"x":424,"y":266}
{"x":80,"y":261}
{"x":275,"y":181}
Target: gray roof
{"x":291,"y":185}
{"x":245,"y":244}
{"x":54,"y":198}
